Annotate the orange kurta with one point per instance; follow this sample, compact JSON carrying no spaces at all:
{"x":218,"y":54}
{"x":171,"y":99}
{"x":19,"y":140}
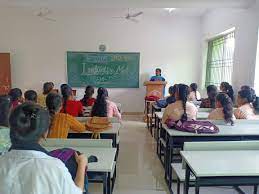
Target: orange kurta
{"x":62,"y":123}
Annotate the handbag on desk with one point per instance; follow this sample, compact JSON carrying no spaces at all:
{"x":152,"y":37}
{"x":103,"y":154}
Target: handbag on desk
{"x":98,"y":125}
{"x":192,"y":126}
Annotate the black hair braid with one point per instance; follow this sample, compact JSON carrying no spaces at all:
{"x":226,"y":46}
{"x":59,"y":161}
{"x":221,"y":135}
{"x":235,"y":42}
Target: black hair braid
{"x":53,"y":102}
{"x":183,"y":96}
{"x":100,"y":106}
{"x":249,"y":95}
{"x":228,"y":89}
{"x":66,"y":92}
{"x":212,"y":92}
{"x":194,"y":88}
{"x":89,"y":91}
{"x":227,"y":105}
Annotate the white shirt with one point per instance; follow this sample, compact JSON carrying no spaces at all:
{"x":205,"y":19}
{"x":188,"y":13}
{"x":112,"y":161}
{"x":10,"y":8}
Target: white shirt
{"x":175,"y":111}
{"x":34,"y":172}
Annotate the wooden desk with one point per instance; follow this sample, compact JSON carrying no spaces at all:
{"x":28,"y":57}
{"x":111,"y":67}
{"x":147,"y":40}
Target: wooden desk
{"x":221,"y":168}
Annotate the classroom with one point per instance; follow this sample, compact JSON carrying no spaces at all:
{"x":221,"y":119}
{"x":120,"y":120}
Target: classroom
{"x":124,"y":97}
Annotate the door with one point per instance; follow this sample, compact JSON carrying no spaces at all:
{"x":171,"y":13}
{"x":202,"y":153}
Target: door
{"x":5,"y":73}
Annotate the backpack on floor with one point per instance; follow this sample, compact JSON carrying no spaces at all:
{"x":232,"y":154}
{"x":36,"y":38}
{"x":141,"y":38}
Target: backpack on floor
{"x":193,"y":126}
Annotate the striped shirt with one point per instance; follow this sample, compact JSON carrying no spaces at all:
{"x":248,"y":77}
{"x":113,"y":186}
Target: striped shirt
{"x":62,"y":123}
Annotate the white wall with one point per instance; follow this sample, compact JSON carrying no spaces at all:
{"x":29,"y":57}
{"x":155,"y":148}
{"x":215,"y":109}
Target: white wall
{"x":246,"y":23}
{"x":39,"y":47}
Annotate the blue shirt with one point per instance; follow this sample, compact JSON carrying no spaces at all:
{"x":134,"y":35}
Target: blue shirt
{"x":157,"y":78}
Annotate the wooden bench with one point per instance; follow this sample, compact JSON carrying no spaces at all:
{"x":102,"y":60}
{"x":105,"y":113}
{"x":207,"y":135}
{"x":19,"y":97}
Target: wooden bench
{"x":179,"y":168}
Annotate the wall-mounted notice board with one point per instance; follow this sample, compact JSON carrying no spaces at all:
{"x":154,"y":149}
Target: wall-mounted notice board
{"x":5,"y":73}
{"x":110,"y":70}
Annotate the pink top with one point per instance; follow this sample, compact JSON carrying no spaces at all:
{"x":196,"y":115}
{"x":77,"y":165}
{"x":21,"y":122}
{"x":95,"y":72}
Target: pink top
{"x":175,"y":111}
{"x":245,"y":111}
{"x":217,"y":114}
{"x":112,"y":110}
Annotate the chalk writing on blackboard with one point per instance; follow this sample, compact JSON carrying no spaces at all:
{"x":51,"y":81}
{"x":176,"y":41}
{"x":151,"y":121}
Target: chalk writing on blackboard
{"x":100,"y":70}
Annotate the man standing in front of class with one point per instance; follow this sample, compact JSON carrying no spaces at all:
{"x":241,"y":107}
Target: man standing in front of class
{"x":158,"y":76}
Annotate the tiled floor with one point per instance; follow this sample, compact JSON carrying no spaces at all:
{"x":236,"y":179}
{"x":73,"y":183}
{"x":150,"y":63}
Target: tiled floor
{"x":139,"y":169}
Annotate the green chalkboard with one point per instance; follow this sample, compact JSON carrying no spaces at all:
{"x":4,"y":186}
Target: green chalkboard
{"x":110,"y":70}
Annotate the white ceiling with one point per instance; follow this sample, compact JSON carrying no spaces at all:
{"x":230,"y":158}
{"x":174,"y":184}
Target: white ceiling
{"x":68,"y":4}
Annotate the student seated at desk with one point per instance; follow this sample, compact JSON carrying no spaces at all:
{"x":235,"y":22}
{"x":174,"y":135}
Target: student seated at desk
{"x":194,"y":94}
{"x":88,"y":99}
{"x":5,"y":106}
{"x":210,"y":102}
{"x":16,"y":97}
{"x":30,"y":96}
{"x":104,"y":107}
{"x":227,"y":89}
{"x":163,"y":103}
{"x":70,"y":105}
{"x":172,"y":90}
{"x":181,"y":109}
{"x":47,"y":88}
{"x":224,"y":109}
{"x":61,"y":123}
{"x":27,"y":167}
{"x":246,"y":101}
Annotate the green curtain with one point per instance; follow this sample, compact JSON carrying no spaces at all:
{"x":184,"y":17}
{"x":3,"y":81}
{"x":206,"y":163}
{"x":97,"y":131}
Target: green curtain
{"x":220,"y":60}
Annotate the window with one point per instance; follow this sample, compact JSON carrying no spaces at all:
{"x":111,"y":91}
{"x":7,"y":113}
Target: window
{"x":256,"y":85}
{"x":220,"y":59}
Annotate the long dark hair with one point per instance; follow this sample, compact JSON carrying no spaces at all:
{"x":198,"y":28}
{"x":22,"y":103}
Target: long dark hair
{"x":5,"y":105}
{"x":28,"y":122}
{"x":183,"y":92}
{"x":48,"y":87}
{"x":66,"y":92}
{"x":15,"y":94}
{"x":228,"y":89}
{"x":100,"y":106}
{"x":173,"y":89}
{"x":249,"y":95}
{"x":227,"y":105}
{"x":53,"y":103}
{"x":89,"y":91}
{"x":212,"y":92}
{"x":194,"y":88}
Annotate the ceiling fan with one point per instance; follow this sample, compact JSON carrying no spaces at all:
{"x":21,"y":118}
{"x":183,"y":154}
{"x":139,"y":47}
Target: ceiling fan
{"x":44,"y":14}
{"x":131,"y":16}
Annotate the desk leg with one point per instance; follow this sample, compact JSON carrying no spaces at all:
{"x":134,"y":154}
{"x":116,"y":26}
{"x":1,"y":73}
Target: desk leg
{"x":197,"y":187}
{"x":105,"y":185}
{"x":187,"y":179}
{"x":109,"y":183}
{"x":169,"y":166}
{"x":155,"y":127}
{"x":157,"y":138}
{"x":255,"y":189}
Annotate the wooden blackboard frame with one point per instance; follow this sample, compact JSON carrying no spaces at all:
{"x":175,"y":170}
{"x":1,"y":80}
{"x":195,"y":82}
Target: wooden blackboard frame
{"x":135,"y":84}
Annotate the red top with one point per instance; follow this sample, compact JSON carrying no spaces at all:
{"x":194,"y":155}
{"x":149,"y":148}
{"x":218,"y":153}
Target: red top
{"x":74,"y":108}
{"x":90,"y":102}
